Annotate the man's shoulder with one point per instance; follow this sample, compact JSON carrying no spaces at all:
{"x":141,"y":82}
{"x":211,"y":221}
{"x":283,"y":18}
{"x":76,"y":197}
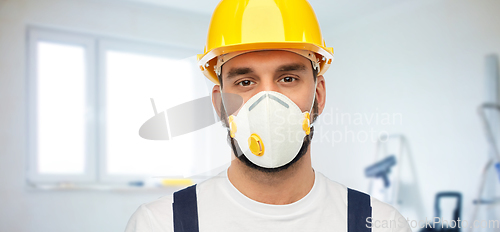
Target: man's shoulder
{"x":383,"y":214}
{"x":386,"y":217}
{"x":157,"y":215}
{"x":340,"y":189}
{"x":166,"y":201}
{"x":152,"y":216}
{"x":160,"y":204}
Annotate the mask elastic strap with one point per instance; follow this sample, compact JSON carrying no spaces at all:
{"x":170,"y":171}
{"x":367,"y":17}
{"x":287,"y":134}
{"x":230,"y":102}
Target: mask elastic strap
{"x":224,"y":108}
{"x":312,"y":105}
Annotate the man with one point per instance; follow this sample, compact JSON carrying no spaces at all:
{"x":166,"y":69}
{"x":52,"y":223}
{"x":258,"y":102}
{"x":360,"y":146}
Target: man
{"x":269,"y":54}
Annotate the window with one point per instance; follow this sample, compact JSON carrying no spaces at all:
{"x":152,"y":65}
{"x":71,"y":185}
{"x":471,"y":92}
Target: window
{"x":87,"y":98}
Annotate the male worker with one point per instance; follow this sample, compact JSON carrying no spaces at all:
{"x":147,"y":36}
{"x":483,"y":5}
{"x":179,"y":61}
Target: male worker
{"x":270,"y":54}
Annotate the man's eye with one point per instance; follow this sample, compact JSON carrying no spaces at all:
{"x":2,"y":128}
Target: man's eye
{"x":245,"y":83}
{"x":288,"y":79}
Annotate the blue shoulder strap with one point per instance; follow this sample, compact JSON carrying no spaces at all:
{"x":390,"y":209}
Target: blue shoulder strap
{"x":358,"y":209}
{"x":185,"y":209}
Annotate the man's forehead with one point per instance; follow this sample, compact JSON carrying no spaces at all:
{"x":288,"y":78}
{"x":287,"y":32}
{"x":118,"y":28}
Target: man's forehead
{"x":268,"y":55}
{"x":276,"y":60}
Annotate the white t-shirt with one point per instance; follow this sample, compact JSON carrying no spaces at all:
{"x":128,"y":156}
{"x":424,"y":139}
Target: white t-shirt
{"x":221,"y":207}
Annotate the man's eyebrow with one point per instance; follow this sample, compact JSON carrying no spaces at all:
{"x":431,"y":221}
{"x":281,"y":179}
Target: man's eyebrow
{"x":238,"y":71}
{"x":291,"y":67}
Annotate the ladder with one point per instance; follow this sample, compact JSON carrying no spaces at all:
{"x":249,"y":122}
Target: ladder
{"x":493,"y":161}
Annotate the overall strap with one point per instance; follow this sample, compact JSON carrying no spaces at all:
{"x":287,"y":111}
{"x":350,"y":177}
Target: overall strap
{"x":185,"y":210}
{"x":358,"y":209}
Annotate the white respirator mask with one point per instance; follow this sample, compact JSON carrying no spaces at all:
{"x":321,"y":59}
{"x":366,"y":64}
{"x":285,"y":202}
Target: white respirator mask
{"x":270,"y":129}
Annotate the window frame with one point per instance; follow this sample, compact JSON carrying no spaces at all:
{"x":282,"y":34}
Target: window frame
{"x":95,"y":47}
{"x":36,"y":35}
{"x":127,"y":47}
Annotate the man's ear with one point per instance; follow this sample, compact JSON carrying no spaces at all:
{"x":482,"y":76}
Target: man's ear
{"x":321,"y":93}
{"x":216,"y":99}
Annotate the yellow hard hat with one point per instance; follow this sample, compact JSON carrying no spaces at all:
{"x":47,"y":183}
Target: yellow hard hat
{"x":239,"y":26}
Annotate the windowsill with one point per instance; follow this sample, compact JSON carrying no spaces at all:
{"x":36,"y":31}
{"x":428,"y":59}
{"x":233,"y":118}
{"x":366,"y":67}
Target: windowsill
{"x":103,"y":187}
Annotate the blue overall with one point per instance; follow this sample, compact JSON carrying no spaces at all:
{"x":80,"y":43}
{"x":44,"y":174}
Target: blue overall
{"x":185,"y":210}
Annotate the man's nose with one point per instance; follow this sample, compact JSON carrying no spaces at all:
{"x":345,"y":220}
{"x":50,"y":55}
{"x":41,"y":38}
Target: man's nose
{"x":268,"y":84}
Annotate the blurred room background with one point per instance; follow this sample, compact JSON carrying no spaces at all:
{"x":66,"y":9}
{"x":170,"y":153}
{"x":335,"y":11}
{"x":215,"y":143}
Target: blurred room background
{"x":78,"y":79}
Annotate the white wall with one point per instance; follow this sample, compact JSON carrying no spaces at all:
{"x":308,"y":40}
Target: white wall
{"x":425,"y":60}
{"x":22,"y":209}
